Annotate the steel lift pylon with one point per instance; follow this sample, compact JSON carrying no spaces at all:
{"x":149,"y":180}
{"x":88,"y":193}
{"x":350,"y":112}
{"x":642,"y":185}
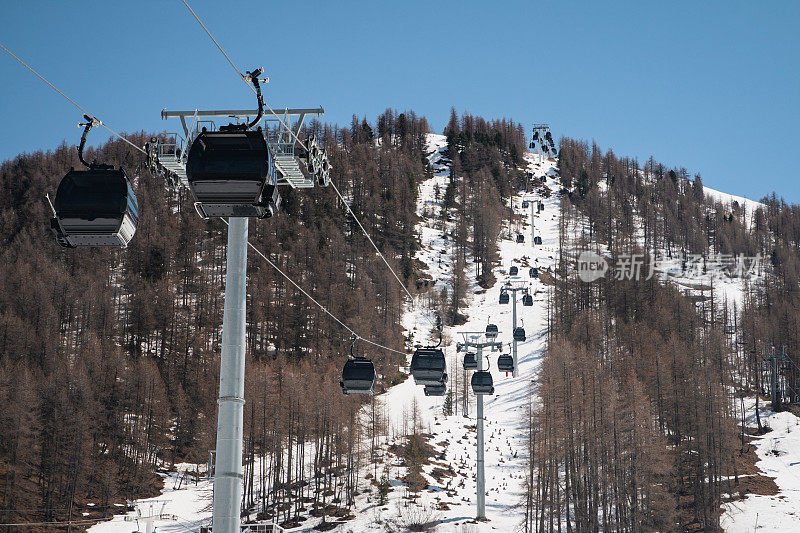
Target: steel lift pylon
{"x":299,"y":167}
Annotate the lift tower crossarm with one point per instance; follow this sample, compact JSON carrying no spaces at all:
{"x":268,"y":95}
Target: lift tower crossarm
{"x":240,"y":113}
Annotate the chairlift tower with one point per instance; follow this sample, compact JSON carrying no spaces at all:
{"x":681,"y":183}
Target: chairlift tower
{"x":472,"y":339}
{"x":288,"y":166}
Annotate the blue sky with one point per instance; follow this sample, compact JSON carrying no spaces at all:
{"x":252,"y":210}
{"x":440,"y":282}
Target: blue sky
{"x":712,"y":86}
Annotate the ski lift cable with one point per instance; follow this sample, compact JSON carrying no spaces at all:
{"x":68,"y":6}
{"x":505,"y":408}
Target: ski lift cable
{"x":339,"y":194}
{"x":325,"y":309}
{"x":296,"y":138}
{"x":250,"y":244}
{"x":216,"y":43}
{"x":56,"y":89}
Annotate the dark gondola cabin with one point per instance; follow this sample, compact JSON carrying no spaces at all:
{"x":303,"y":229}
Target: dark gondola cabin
{"x":436,"y":390}
{"x":519,"y":334}
{"x":470,"y":363}
{"x":520,"y":237}
{"x":491,"y":331}
{"x":533,"y":272}
{"x":504,"y":299}
{"x":527,"y":300}
{"x":513,"y":271}
{"x":358,"y":376}
{"x":95,"y":207}
{"x":537,"y":240}
{"x":505,"y":363}
{"x":525,"y":204}
{"x":428,"y":366}
{"x":228,"y":173}
{"x":482,"y":382}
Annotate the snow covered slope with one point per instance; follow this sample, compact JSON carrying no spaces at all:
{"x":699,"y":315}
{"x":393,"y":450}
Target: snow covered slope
{"x":779,"y":458}
{"x":454,"y":437}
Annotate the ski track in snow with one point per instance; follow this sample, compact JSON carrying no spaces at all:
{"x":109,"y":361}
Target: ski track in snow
{"x":504,"y":433}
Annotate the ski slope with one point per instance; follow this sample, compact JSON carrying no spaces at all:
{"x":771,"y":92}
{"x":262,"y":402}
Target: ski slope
{"x":779,"y":458}
{"x":454,"y":437}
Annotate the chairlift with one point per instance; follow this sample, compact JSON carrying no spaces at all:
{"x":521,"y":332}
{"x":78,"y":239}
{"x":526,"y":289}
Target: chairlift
{"x":519,"y":334}
{"x":527,"y":300}
{"x":537,"y":240}
{"x":505,"y":363}
{"x":94,"y":207}
{"x":533,"y":272}
{"x":491,"y":331}
{"x":482,"y":382}
{"x":513,"y":271}
{"x":520,"y":237}
{"x":504,"y":299}
{"x":440,"y":389}
{"x":230,"y":172}
{"x":470,"y":362}
{"x":428,"y":366}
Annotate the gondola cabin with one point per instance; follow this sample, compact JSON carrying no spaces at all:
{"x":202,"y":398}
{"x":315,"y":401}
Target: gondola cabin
{"x":436,"y":390}
{"x":95,"y":207}
{"x":519,"y":334}
{"x":520,"y":237}
{"x":482,"y":382}
{"x":491,"y":331}
{"x":428,"y":366}
{"x":505,"y":363}
{"x":229,"y":174}
{"x":358,"y":376}
{"x":533,"y":272}
{"x":527,"y":300}
{"x":513,"y":271}
{"x":504,"y":299}
{"x":470,"y":363}
{"x":537,"y":240}
{"x":525,"y":204}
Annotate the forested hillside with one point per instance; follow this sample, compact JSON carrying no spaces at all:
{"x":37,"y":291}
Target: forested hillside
{"x":640,"y":425}
{"x":109,"y":359}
